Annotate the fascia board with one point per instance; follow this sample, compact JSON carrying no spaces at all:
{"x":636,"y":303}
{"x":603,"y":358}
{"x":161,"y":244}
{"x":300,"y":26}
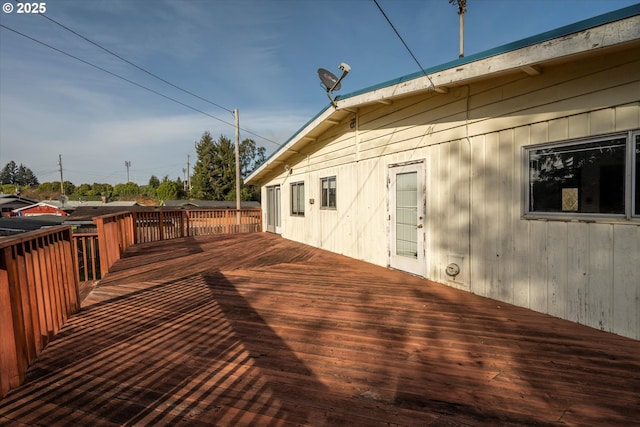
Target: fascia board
{"x":612,"y":34}
{"x":582,"y":37}
{"x":296,"y":140}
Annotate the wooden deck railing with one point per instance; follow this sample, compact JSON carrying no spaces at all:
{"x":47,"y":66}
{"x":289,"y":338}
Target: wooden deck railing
{"x":87,"y":257}
{"x":40,"y":271}
{"x":116,"y":232}
{"x":38,"y":292}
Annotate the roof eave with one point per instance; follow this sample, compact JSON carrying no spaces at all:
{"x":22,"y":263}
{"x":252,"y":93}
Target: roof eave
{"x":527,"y":55}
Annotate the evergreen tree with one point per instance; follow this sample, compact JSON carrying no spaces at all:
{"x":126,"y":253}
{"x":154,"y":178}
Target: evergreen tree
{"x":224,"y":168}
{"x":25,"y":176}
{"x":214,"y":175}
{"x":8,"y":174}
{"x":202,"y":180}
{"x":20,"y":175}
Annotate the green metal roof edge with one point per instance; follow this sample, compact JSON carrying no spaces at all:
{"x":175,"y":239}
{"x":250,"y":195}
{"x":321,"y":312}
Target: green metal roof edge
{"x":595,"y":21}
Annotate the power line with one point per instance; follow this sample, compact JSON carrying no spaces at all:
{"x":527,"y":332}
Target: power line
{"x":403,"y":42}
{"x":98,"y":45}
{"x":133,"y":83}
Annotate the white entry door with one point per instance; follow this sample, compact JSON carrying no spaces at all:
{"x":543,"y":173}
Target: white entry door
{"x":407,"y":212}
{"x":273,"y":209}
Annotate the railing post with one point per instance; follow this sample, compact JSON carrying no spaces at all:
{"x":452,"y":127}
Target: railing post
{"x":184,"y":224}
{"x":11,"y":312}
{"x":161,"y":225}
{"x":103,"y":244}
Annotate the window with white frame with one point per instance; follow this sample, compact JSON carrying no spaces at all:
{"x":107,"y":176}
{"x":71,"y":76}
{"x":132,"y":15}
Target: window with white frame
{"x":591,"y":176}
{"x":328,"y":189}
{"x":297,"y":198}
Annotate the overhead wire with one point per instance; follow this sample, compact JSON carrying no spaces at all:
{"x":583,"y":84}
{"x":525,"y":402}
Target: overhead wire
{"x":110,"y":52}
{"x":143,"y":70}
{"x":403,"y":42}
{"x":114,"y":74}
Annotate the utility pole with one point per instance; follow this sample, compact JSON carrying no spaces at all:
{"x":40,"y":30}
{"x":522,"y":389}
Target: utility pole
{"x":61,"y":179}
{"x":188,"y":175}
{"x":235,"y":113}
{"x":127,"y":165}
{"x":462,"y":8}
{"x":184,"y":177}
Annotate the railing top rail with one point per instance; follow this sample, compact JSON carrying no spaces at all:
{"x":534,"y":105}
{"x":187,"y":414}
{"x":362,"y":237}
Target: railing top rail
{"x":30,"y":235}
{"x":112,"y":215}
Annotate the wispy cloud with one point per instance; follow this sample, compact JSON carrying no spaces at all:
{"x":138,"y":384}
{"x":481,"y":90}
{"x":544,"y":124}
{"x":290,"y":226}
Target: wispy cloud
{"x":258,"y":56}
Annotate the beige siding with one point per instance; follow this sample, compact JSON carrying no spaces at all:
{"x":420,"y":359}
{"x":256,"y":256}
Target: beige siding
{"x":471,"y":140}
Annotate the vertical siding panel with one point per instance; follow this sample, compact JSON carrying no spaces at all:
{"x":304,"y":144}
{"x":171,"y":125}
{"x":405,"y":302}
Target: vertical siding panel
{"x":602,"y":121}
{"x":626,"y":296}
{"x":345,"y":240}
{"x":373,"y":224}
{"x":432,"y":222}
{"x":538,"y":266}
{"x":558,"y":129}
{"x":462,"y":189}
{"x":506,"y":171}
{"x":599,"y":293}
{"x":491,"y":225}
{"x":438,"y":196}
{"x":451,"y":203}
{"x":520,"y":226}
{"x":579,"y":126}
{"x":476,"y":280}
{"x":627,"y":117}
{"x":557,"y":276}
{"x":577,"y":271}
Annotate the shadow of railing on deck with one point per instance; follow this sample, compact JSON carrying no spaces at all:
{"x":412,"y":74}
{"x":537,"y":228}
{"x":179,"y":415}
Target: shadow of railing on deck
{"x":174,"y":351}
{"x":40,"y":272}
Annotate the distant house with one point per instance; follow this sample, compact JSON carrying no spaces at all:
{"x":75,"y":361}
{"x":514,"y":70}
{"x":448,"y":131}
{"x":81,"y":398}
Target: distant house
{"x":70,"y":205}
{"x":17,"y":224}
{"x":10,"y":202}
{"x":211,"y":204}
{"x":512,"y":173}
{"x":39,"y":209}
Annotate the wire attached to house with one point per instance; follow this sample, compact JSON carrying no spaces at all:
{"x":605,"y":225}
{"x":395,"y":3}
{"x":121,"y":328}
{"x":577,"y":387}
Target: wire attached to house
{"x":403,"y":42}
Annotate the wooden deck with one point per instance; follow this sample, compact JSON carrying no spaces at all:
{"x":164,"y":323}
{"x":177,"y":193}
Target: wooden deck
{"x":257,"y":330}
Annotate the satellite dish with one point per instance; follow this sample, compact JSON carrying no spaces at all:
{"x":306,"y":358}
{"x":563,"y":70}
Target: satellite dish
{"x":331,"y":82}
{"x":328,"y":79}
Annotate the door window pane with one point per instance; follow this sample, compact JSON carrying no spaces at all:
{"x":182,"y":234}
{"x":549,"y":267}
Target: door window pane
{"x":407,"y":214}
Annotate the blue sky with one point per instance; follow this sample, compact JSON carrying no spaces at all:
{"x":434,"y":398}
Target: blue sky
{"x":258,"y":56}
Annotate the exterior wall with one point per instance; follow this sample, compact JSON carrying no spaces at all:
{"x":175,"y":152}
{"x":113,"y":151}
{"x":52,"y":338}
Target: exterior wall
{"x":42,"y":210}
{"x":471,"y":140}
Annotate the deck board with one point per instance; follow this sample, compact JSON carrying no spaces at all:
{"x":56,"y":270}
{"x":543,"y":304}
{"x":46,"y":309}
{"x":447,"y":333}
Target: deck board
{"x":257,"y":330}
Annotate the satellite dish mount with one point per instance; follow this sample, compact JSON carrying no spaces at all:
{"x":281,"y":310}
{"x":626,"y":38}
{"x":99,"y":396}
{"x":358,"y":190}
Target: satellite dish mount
{"x":331,"y":82}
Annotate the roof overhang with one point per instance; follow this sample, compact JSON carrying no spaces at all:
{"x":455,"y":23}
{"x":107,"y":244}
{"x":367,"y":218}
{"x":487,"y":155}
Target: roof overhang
{"x":590,"y":37}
